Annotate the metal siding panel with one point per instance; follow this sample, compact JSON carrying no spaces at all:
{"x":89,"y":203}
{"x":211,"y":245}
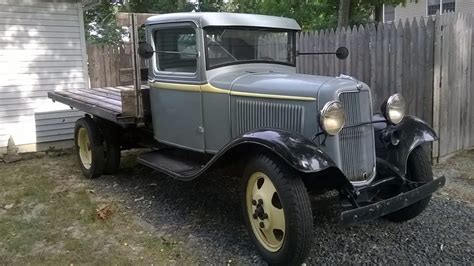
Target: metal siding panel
{"x":33,"y":45}
{"x":25,"y":10}
{"x":41,"y":16}
{"x":40,"y":51}
{"x":39,"y":22}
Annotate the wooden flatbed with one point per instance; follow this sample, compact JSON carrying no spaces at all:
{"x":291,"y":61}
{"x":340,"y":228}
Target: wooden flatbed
{"x":117,"y":104}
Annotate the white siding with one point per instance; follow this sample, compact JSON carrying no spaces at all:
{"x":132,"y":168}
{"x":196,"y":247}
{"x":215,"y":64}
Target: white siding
{"x":419,"y":9}
{"x":411,"y":10}
{"x":42,"y":48}
{"x":466,"y":6}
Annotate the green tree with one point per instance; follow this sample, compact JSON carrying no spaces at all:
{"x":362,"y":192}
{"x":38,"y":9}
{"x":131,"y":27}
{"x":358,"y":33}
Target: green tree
{"x":100,"y":23}
{"x":310,"y":14}
{"x":160,"y":6}
{"x":210,"y":6}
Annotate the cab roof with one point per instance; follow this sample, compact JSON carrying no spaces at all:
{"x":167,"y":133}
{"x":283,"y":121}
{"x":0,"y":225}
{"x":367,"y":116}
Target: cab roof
{"x":207,"y":19}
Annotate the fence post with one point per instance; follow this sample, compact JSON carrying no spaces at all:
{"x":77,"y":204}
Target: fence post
{"x":438,"y":41}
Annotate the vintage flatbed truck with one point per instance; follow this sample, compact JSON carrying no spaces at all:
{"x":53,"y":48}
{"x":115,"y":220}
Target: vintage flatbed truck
{"x":223,"y":91}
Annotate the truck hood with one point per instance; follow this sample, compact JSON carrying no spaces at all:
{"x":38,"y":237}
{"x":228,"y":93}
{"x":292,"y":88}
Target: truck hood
{"x":275,"y":83}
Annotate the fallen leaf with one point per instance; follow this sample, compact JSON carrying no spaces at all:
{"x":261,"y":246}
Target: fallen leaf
{"x":90,"y":191}
{"x":8,"y":206}
{"x":104,"y":212}
{"x":141,"y":198}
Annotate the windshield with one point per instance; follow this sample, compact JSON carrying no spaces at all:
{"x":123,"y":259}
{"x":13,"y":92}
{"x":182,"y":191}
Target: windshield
{"x":227,"y":46}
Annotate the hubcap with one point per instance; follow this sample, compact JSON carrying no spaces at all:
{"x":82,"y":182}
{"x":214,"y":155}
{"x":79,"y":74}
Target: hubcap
{"x":265,"y":212}
{"x":83,"y":143}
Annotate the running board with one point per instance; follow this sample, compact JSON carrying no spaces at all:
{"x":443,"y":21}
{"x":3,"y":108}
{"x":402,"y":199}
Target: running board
{"x":178,"y":164}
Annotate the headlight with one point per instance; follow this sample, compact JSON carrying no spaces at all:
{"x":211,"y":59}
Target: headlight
{"x":395,"y":108}
{"x":333,"y":117}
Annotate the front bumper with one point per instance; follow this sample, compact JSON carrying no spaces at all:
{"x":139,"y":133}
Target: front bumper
{"x":384,"y":207}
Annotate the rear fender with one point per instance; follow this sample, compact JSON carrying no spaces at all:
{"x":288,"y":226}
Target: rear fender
{"x":394,"y":143}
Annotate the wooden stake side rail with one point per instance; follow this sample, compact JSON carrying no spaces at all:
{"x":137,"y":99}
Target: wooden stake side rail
{"x":116,"y":104}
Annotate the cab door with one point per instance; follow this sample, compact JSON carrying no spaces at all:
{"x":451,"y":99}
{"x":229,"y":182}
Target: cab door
{"x":175,"y":91}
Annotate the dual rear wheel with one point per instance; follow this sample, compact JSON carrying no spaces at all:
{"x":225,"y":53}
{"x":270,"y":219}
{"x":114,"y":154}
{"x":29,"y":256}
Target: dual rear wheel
{"x":97,"y":147}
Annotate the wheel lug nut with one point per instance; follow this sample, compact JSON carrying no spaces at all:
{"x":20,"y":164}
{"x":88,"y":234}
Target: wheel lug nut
{"x":254,"y":202}
{"x":254,"y":216}
{"x":262,"y":225}
{"x":265,"y":216}
{"x":260,"y":201}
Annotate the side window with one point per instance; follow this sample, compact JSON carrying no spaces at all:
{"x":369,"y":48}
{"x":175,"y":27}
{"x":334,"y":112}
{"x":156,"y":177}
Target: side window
{"x":176,"y":49}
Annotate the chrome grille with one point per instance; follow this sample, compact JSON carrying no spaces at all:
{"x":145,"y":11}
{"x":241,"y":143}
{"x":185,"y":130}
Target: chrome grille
{"x":357,"y":143}
{"x":252,"y":114}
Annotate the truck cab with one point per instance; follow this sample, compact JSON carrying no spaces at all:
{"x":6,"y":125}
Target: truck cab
{"x":206,"y":61}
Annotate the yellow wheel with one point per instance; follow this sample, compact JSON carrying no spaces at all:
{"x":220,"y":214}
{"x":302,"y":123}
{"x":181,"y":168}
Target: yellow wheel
{"x":89,"y":147}
{"x":265,"y":212}
{"x":277,"y":211}
{"x":84,"y":146}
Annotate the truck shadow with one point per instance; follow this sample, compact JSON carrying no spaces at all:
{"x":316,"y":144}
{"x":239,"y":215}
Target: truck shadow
{"x":205,"y":216}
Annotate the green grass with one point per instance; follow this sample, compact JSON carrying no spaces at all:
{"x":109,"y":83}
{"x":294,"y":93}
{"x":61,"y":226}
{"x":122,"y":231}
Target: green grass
{"x":54,"y":221}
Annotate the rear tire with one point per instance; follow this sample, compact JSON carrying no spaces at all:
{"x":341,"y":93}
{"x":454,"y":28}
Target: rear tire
{"x":89,"y":148}
{"x":418,"y":170}
{"x":112,"y":148}
{"x":277,"y":211}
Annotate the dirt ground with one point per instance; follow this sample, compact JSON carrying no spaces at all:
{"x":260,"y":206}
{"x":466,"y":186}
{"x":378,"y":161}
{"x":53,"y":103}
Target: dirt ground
{"x":459,"y":171}
{"x":49,"y":214}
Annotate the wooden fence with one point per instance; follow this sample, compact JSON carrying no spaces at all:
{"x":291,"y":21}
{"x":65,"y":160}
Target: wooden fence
{"x":109,"y":65}
{"x":454,"y":83}
{"x":429,"y":60}
{"x":389,"y":58}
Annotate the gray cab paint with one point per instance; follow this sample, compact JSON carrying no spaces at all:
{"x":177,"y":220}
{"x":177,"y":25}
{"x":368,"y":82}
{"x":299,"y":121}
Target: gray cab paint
{"x":206,"y":121}
{"x":177,"y":115}
{"x":272,"y":82}
{"x":208,"y":19}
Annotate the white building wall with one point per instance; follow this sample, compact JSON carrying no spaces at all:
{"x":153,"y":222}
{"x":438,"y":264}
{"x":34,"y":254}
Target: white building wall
{"x":411,"y":10}
{"x":466,"y":6}
{"x":42,"y":48}
{"x":419,"y":9}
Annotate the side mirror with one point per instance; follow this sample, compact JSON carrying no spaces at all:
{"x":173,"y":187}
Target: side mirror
{"x":342,"y":53}
{"x":145,"y":50}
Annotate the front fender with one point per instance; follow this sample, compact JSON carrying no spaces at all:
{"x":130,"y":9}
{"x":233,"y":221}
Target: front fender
{"x":410,"y":133}
{"x":299,"y":152}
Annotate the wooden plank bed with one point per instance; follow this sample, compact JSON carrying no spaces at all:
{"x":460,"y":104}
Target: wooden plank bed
{"x":117,"y":104}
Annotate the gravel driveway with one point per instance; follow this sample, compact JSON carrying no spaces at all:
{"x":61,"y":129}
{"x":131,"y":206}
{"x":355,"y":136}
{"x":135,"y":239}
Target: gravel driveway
{"x":204,"y":215}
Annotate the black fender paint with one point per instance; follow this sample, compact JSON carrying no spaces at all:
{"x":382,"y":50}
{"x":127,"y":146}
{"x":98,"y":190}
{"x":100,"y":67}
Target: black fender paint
{"x":410,"y":133}
{"x":299,"y":152}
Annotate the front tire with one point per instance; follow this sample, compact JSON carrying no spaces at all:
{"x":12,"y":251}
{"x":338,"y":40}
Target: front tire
{"x":89,"y":147}
{"x":418,"y":170}
{"x":277,"y":211}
